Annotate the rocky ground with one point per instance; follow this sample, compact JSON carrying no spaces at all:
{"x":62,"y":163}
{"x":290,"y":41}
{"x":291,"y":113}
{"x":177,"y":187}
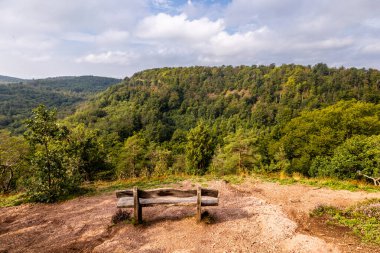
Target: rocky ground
{"x":252,"y":217}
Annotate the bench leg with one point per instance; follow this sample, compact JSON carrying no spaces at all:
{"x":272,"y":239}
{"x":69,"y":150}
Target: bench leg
{"x":137,"y":209}
{"x":199,"y":204}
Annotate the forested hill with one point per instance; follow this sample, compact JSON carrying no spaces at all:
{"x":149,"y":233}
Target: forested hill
{"x":287,"y":117}
{"x":18,"y":97}
{"x":160,"y":101}
{"x":9,"y":79}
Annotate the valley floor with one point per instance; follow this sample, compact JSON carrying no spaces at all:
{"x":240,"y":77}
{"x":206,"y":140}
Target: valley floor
{"x":251,"y":217}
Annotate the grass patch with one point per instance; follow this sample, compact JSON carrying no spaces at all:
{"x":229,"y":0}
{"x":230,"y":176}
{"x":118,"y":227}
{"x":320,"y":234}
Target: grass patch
{"x":12,"y":200}
{"x":234,"y":179}
{"x":363,"y":218}
{"x":335,"y":184}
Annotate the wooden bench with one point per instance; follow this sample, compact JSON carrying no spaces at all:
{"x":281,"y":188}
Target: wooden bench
{"x":137,"y":199}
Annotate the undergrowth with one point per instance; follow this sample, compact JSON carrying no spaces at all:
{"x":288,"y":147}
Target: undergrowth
{"x":335,"y":184}
{"x":207,"y":217}
{"x":363,"y":218}
{"x":12,"y":199}
{"x":121,"y":216}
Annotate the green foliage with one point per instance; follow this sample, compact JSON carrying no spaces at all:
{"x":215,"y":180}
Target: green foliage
{"x":359,"y":153}
{"x":298,"y":120}
{"x":299,"y":116}
{"x":239,"y":154}
{"x":49,"y":178}
{"x":199,"y":149}
{"x":13,"y":150}
{"x":87,"y":154}
{"x":319,"y":132}
{"x":9,"y":79}
{"x":133,"y":158}
{"x":17,"y":99}
{"x":162,"y":160}
{"x":12,"y":200}
{"x":363,"y":218}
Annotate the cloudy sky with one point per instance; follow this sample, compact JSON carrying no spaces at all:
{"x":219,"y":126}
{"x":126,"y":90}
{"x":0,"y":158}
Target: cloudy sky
{"x":41,"y":38}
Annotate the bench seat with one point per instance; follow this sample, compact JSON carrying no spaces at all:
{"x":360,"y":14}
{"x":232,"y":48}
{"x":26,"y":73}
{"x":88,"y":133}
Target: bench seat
{"x":126,"y":202}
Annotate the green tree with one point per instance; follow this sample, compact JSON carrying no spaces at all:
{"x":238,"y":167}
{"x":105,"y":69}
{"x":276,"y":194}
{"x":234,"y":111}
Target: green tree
{"x":359,"y":153}
{"x":50,"y":177}
{"x":319,"y":132}
{"x":13,"y":151}
{"x":199,"y":149}
{"x":132,"y":160}
{"x":161,"y":160}
{"x":238,"y":155}
{"x":87,"y":154}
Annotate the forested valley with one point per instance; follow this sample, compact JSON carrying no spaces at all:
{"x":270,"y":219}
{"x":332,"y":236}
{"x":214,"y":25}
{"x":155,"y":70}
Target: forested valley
{"x":19,"y":96}
{"x":315,"y":121}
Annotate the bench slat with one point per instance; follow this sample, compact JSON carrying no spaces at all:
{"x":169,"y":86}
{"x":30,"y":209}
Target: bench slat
{"x":128,"y":201}
{"x":167,"y":192}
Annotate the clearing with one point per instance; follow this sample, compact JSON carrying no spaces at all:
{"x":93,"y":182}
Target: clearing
{"x":254,"y":216}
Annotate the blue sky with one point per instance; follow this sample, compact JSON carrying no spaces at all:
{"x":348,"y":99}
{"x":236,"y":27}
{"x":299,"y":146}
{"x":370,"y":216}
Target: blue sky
{"x":40,"y":38}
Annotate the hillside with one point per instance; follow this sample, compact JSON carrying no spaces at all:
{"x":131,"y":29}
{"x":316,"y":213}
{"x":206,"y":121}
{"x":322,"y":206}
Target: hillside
{"x":19,"y":98}
{"x":310,"y":121}
{"x":291,"y":118}
{"x":9,"y":79}
{"x":260,"y":96}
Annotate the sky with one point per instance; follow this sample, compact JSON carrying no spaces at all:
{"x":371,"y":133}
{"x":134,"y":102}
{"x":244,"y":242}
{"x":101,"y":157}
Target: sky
{"x":116,"y":38}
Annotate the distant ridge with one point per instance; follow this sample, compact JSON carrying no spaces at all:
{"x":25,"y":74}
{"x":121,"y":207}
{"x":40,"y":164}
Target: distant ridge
{"x":9,"y":79}
{"x":19,"y":96}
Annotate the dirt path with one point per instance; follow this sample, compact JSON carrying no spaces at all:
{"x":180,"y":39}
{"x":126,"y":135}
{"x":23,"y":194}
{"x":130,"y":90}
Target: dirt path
{"x":252,"y":217}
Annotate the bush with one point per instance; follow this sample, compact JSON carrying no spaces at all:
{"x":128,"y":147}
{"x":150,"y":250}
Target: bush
{"x":359,"y":153}
{"x":363,"y":218}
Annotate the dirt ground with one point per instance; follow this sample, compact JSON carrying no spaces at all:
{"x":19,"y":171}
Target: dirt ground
{"x":251,"y":217}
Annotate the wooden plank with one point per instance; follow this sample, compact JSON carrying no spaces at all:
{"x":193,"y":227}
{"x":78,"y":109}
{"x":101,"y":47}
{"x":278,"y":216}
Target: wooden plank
{"x":125,"y":202}
{"x":163,"y":192}
{"x":137,"y":209}
{"x":199,"y":204}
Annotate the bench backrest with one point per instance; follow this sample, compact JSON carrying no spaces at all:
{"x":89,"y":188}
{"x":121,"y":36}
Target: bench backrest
{"x":167,"y":192}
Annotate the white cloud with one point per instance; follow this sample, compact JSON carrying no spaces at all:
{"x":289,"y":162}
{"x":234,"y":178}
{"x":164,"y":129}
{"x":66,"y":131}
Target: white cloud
{"x":112,"y":36}
{"x":107,"y":37}
{"x":328,"y":44}
{"x":40,"y":58}
{"x":164,"y":26}
{"x":79,"y":37}
{"x":110,"y":57}
{"x":372,"y":48}
{"x":225,"y":44}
